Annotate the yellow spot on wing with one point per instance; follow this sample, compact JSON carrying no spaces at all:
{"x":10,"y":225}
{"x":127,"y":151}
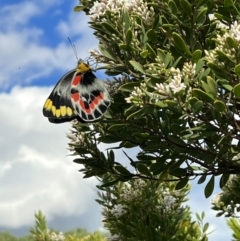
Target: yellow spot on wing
{"x":48,"y":104}
{"x":54,"y":110}
{"x":58,"y":112}
{"x":63,"y":110}
{"x":69,"y":111}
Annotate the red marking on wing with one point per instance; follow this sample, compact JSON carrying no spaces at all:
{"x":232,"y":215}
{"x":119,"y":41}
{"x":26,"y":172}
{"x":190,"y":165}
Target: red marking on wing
{"x":77,"y":80}
{"x":75,"y":96}
{"x":94,"y":103}
{"x":81,"y":103}
{"x":96,"y":100}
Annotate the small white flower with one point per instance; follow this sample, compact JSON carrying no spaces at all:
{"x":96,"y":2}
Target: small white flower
{"x":175,"y":85}
{"x":162,"y":89}
{"x":216,"y":199}
{"x":118,"y":210}
{"x":235,"y":31}
{"x":114,"y":237}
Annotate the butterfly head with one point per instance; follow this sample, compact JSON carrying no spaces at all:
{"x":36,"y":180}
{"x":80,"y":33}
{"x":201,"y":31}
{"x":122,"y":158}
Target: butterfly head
{"x":83,"y":67}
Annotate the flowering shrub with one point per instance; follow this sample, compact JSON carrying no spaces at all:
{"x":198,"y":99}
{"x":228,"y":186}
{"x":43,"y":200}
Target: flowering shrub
{"x":145,"y":210}
{"x":176,"y":90}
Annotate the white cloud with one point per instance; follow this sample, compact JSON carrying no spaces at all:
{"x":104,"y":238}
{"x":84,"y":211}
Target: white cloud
{"x":23,"y":57}
{"x":35,"y":172}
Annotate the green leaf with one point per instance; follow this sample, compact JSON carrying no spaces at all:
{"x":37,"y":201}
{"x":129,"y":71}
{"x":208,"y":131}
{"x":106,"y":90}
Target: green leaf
{"x":209,"y":187}
{"x":144,"y":54}
{"x":79,"y":8}
{"x":142,"y":112}
{"x":161,"y":54}
{"x":129,"y":36}
{"x":205,"y":227}
{"x":156,"y":22}
{"x":212,"y":86}
{"x":111,"y":183}
{"x":224,"y":57}
{"x":127,"y":144}
{"x":199,"y":65}
{"x":237,"y":69}
{"x":161,"y":104}
{"x":84,"y":160}
{"x":198,"y":217}
{"x":81,"y":150}
{"x":164,"y":175}
{"x":218,"y":70}
{"x":117,"y":127}
{"x":109,"y":139}
{"x":182,"y":183}
{"x":143,"y":170}
{"x":173,"y":7}
{"x":106,"y":52}
{"x":152,"y":53}
{"x":219,"y":106}
{"x":176,"y":140}
{"x":151,"y":35}
{"x":228,"y":3}
{"x":231,"y":42}
{"x":126,"y":21}
{"x":129,"y":87}
{"x":225,"y":84}
{"x":186,"y":7}
{"x":180,"y":43}
{"x":197,"y":107}
{"x":110,"y":28}
{"x":137,"y":66}
{"x":122,"y":170}
{"x":236,"y":90}
{"x":111,"y":156}
{"x":202,"y":95}
{"x":224,"y":179}
{"x":202,"y":13}
{"x":126,"y":47}
{"x":196,"y":56}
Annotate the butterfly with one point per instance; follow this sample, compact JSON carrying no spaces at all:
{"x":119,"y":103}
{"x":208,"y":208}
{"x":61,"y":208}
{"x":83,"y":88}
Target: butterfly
{"x":77,"y":95}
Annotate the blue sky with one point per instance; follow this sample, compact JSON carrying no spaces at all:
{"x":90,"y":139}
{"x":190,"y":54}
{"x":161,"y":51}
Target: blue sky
{"x":35,"y":171}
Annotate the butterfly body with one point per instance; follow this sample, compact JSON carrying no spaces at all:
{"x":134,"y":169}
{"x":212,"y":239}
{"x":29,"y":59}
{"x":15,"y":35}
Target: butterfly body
{"x":77,"y":95}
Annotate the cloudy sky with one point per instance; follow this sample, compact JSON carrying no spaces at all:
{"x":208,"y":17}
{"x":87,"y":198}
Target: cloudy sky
{"x":35,"y":171}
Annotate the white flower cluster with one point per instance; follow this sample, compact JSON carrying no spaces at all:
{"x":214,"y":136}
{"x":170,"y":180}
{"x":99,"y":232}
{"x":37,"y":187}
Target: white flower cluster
{"x":134,"y":192}
{"x":136,"y":7}
{"x":114,"y":238}
{"x":175,"y":84}
{"x":118,"y":210}
{"x":169,"y":202}
{"x":189,"y":71}
{"x":56,"y":237}
{"x":234,"y":33}
{"x":136,"y":97}
{"x":75,"y":138}
{"x":216,"y":199}
{"x":130,"y":195}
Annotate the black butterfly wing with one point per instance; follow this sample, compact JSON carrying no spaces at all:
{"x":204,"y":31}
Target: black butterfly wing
{"x":89,"y":96}
{"x":58,"y":107}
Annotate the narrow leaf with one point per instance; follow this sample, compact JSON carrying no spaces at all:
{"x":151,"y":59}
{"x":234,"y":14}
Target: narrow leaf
{"x":209,"y":187}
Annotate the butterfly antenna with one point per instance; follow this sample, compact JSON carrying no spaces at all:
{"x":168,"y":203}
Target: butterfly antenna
{"x":74,"y":48}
